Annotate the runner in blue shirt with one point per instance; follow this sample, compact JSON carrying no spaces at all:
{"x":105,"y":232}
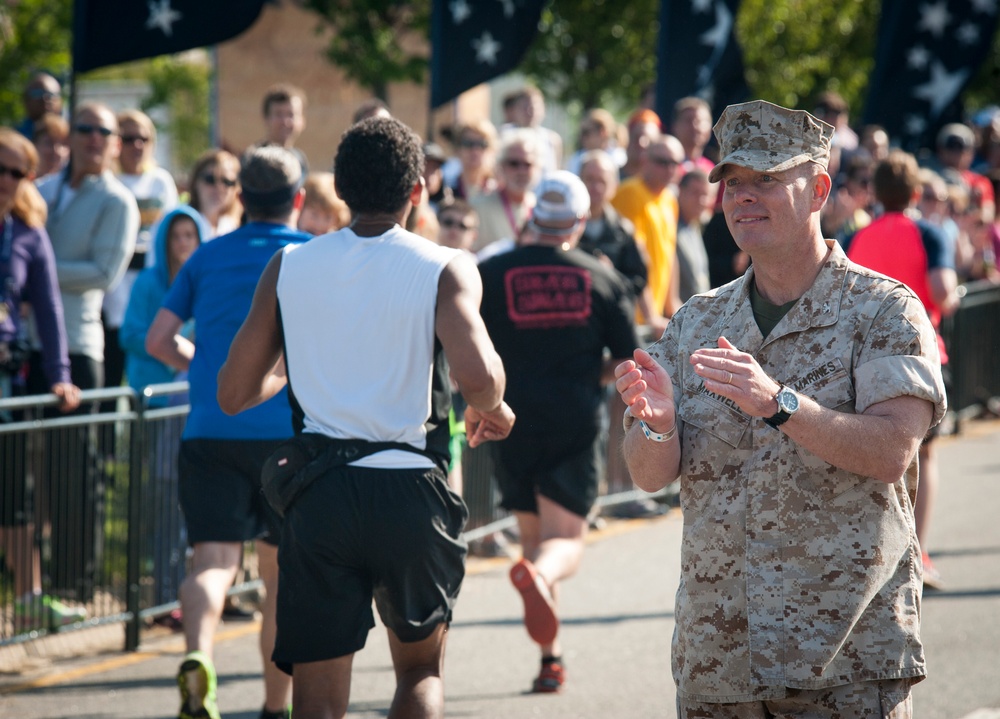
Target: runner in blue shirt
{"x":221,"y":456}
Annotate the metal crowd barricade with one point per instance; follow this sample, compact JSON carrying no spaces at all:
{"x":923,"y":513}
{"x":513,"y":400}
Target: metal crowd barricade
{"x":65,"y":496}
{"x":972,"y":336}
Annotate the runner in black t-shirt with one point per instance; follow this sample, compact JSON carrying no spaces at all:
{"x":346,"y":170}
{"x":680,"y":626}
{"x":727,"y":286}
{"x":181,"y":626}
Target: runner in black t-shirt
{"x":552,"y":310}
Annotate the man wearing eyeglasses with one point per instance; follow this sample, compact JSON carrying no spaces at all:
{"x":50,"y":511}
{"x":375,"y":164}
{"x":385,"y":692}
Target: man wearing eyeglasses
{"x":649,"y":202}
{"x":42,"y":94}
{"x":93,"y":222}
{"x":504,"y":212}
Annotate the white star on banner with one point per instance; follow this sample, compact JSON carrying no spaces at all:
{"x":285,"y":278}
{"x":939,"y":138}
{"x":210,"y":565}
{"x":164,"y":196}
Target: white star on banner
{"x":459,"y":11}
{"x":701,"y":5}
{"x":486,"y":48}
{"x":918,"y":57}
{"x":985,"y":6}
{"x":942,"y":88}
{"x":716,"y":37}
{"x":934,"y":18}
{"x":968,"y":33}
{"x":163,"y":16}
{"x":508,"y":8}
{"x":718,"y":34}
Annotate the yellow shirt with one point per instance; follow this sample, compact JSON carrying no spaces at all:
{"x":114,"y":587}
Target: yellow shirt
{"x":655,"y":220}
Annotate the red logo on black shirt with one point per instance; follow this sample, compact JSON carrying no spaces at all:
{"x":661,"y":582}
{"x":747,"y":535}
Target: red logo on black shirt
{"x":546,"y":297}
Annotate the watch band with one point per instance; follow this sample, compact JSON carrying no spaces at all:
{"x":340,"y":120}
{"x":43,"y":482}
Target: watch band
{"x":782,"y":415}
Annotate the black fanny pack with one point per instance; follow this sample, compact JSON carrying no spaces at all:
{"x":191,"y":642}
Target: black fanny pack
{"x":301,"y":460}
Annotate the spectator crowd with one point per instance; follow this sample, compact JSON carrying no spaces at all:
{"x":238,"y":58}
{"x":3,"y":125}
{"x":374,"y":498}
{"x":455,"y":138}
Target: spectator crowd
{"x":95,"y":234}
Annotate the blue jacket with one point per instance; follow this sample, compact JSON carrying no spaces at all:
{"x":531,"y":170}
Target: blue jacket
{"x":147,"y":295}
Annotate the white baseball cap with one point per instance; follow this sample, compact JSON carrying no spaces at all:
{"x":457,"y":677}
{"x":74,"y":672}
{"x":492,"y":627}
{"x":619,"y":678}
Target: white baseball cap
{"x":561,"y":197}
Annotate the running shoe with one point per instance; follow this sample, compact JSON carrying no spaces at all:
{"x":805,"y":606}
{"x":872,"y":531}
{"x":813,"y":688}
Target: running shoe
{"x":45,"y":612}
{"x":539,"y":610}
{"x":283,"y":714}
{"x":551,"y":678}
{"x":197,"y":681}
{"x":932,"y":577}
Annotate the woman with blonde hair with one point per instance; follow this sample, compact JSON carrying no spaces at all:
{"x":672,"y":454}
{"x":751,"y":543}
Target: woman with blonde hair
{"x":476,"y":142}
{"x":27,"y":277}
{"x":215,"y":189}
{"x":51,"y":138}
{"x":156,"y":194}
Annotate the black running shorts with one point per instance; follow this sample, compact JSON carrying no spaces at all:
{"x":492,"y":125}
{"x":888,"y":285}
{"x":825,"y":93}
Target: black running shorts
{"x":358,"y":533}
{"x":220,"y":491}
{"x":563,"y":467}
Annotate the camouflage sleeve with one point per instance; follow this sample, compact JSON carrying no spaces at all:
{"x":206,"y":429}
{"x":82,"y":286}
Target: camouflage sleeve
{"x":899,"y":356}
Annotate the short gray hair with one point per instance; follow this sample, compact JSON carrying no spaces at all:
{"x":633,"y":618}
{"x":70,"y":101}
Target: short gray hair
{"x":269,"y":178}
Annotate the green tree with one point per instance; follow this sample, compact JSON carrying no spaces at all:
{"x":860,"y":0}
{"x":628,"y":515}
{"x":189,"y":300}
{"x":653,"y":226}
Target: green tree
{"x":34,"y":35}
{"x":182,"y":85}
{"x":595,"y":53}
{"x":789,"y":61}
{"x":366,"y":39}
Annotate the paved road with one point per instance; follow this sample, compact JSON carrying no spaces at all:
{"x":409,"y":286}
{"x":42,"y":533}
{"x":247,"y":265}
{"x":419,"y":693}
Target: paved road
{"x":617,"y":631}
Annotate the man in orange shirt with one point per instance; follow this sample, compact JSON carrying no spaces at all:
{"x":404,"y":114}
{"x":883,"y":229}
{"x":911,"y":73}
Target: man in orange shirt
{"x":648,"y":200}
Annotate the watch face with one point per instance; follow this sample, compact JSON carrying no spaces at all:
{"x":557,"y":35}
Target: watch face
{"x":788,"y":401}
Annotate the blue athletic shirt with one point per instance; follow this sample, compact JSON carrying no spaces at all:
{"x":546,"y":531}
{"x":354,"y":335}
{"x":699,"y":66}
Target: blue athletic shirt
{"x":215,"y":287}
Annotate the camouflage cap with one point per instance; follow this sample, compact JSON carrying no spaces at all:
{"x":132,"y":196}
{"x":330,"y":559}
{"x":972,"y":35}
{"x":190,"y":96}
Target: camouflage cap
{"x":769,"y":138}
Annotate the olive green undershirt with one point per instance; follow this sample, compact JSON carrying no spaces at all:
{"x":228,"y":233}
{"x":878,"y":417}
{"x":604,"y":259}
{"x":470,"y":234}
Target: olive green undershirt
{"x":767,"y":315}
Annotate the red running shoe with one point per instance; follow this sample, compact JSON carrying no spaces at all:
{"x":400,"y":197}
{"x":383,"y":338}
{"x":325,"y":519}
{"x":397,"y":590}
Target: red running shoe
{"x":550,"y":679}
{"x":932,"y":577}
{"x":539,"y":610}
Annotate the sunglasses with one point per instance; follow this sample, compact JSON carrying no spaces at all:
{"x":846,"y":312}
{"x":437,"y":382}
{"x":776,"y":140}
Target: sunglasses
{"x":135,"y":140}
{"x":212,"y":180}
{"x":40,"y":94}
{"x":474,"y":144}
{"x":663,"y":161}
{"x":519,"y":164}
{"x":452,"y":224}
{"x":91,"y":129}
{"x":13,"y":172}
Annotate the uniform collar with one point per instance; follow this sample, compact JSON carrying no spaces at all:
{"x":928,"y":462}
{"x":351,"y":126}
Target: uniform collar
{"x":818,"y":307}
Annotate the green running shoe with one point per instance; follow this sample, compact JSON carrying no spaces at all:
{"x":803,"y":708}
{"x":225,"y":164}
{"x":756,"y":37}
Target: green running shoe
{"x":197,"y":681}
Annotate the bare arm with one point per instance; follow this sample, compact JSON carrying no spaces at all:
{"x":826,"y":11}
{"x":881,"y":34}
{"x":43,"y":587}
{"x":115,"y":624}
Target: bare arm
{"x":646,"y":389}
{"x":944,"y":289}
{"x":165,"y":344}
{"x":879,"y":443}
{"x":475,"y":365}
{"x":254,"y":368}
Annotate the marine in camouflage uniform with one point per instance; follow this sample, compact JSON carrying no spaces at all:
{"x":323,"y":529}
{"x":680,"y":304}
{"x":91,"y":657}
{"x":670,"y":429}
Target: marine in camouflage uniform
{"x":800,"y":567}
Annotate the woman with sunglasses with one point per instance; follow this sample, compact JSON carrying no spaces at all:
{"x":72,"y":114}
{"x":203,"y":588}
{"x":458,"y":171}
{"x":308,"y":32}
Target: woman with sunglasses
{"x":27,"y":275}
{"x":476,"y":142}
{"x":156,"y":194}
{"x":215,"y":191}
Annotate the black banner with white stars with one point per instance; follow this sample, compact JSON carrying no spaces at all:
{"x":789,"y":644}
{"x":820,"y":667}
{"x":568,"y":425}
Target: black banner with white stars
{"x":928,"y":52}
{"x":107,"y":32}
{"x":699,"y":55}
{"x":473,"y":41}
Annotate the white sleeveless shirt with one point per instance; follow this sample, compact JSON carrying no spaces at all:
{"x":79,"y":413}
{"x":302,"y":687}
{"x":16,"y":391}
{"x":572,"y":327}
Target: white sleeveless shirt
{"x":358,"y":315}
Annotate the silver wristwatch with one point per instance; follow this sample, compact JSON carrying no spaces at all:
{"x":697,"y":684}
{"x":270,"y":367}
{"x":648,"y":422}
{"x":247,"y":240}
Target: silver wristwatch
{"x":788,"y":404}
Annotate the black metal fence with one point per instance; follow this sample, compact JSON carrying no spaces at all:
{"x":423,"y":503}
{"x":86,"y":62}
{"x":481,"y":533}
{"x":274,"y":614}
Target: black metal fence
{"x":972,"y":337}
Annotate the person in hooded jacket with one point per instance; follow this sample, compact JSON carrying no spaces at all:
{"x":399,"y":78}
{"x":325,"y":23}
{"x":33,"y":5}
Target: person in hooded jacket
{"x":177,"y":237}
